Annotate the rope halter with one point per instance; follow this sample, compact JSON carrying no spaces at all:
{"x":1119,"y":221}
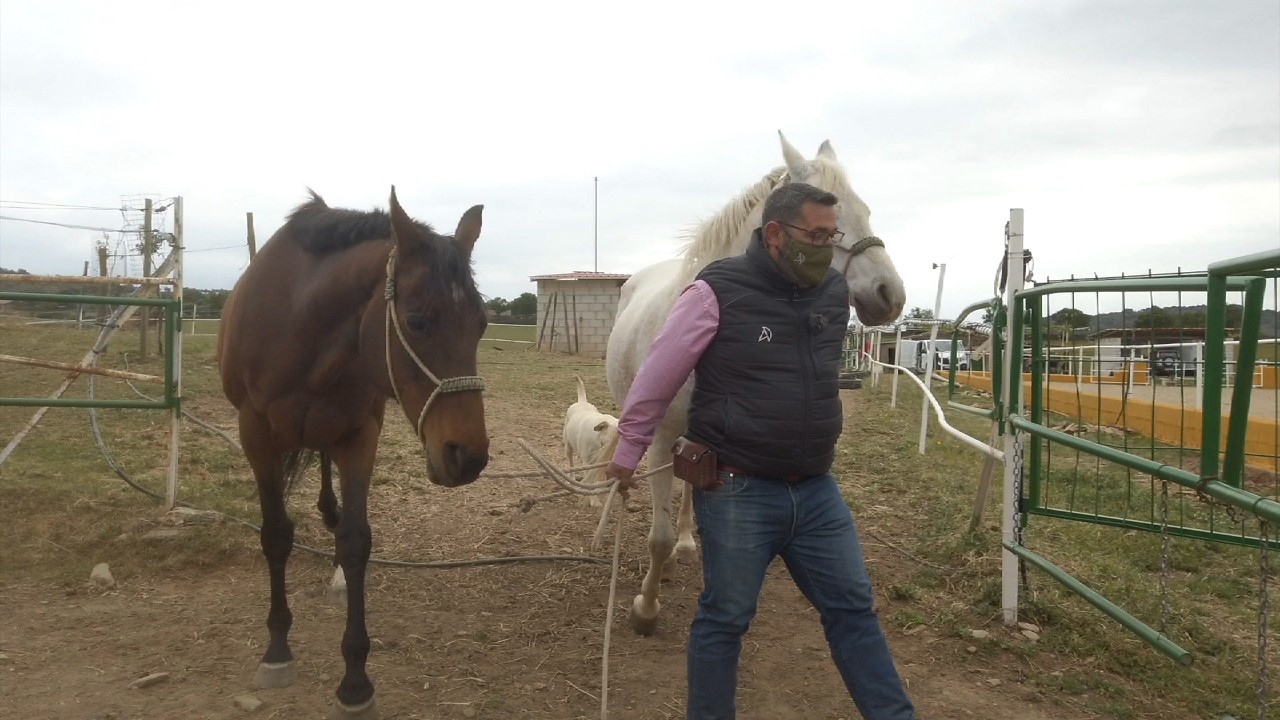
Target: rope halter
{"x":857,"y":248}
{"x":468,"y":383}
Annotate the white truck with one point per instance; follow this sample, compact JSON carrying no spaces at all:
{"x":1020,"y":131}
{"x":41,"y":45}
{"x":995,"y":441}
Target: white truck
{"x":914,"y":355}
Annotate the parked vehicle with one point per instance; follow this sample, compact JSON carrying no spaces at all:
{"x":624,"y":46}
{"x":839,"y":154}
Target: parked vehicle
{"x":914,"y":355}
{"x":1169,"y":362}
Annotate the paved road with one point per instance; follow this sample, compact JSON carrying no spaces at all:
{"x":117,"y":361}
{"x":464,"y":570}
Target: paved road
{"x":1264,"y":403}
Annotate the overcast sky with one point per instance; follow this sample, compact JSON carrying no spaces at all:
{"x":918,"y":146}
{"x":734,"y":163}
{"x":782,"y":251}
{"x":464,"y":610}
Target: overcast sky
{"x":1136,"y":135}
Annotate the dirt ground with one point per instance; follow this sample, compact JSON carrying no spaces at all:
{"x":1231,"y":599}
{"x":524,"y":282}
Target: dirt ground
{"x":513,"y":641}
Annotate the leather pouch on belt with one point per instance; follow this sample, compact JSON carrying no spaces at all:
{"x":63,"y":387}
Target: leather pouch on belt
{"x":695,"y":463}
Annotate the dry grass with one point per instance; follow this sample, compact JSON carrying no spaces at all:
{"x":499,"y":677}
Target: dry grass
{"x":522,"y":641}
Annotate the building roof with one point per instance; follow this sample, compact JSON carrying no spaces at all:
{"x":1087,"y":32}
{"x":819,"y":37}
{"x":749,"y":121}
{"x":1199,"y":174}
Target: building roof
{"x":581,"y":275}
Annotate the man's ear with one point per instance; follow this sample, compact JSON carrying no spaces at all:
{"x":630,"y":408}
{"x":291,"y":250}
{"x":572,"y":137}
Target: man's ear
{"x":773,"y":234}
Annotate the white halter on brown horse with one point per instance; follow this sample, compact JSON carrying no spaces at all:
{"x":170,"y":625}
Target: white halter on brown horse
{"x":874,"y":288}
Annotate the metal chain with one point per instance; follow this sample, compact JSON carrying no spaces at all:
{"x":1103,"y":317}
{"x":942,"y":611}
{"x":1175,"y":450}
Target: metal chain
{"x":1164,"y":557}
{"x":1264,"y":577}
{"x":1018,"y":514}
{"x":1233,"y":513}
{"x":1017,"y":488}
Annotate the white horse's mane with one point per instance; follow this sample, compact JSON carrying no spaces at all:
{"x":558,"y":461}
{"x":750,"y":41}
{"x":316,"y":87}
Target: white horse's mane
{"x":714,"y":237}
{"x":721,"y":235}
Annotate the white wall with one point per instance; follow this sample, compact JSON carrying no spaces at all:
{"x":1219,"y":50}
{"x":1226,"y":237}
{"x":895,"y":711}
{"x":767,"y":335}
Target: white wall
{"x":594,"y":305}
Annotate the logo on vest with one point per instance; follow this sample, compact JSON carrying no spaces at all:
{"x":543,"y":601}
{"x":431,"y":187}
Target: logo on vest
{"x":766,"y":335}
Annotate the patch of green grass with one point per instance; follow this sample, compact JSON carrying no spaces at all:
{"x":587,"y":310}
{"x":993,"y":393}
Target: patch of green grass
{"x":904,"y":592}
{"x":73,"y":506}
{"x":907,"y":619}
{"x":525,"y":333}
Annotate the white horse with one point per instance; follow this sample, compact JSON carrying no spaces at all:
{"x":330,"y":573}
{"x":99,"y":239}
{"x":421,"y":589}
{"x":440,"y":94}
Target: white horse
{"x":647,"y":297}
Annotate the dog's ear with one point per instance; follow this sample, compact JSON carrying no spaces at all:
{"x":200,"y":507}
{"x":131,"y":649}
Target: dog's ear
{"x":601,"y":425}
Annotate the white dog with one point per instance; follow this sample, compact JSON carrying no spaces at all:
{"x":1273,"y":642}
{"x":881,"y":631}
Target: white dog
{"x":591,"y":435}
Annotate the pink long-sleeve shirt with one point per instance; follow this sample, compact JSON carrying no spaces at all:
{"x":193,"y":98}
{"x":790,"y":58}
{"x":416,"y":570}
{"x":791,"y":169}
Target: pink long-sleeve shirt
{"x":675,"y":352}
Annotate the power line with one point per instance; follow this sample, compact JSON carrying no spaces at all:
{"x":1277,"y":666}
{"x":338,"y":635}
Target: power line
{"x":65,"y":225}
{"x":224,"y":247}
{"x":33,"y":205}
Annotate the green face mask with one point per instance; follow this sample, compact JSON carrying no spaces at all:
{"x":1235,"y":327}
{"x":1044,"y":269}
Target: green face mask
{"x":807,"y":264}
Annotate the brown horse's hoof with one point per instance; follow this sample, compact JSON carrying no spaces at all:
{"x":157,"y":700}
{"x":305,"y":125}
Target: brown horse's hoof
{"x":365,"y":711}
{"x":275,"y":675}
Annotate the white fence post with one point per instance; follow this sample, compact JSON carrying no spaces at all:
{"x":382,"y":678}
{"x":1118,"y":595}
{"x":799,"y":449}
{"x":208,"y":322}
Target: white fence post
{"x":928,"y":366}
{"x":897,"y":347}
{"x":1013,"y":368}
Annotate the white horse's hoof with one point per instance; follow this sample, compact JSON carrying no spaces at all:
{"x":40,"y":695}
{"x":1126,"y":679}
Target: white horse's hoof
{"x":337,"y":592}
{"x":669,"y":567}
{"x":686,"y":553}
{"x":643,"y":623}
{"x":275,"y":675}
{"x":365,"y":711}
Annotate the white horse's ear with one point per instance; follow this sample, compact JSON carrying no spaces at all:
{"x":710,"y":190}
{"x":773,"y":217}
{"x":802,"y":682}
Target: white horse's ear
{"x":826,"y":151}
{"x":793,"y":158}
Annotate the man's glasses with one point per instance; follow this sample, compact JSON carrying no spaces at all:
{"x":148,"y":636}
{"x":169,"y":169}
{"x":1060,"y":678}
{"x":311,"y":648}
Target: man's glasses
{"x":821,"y":238}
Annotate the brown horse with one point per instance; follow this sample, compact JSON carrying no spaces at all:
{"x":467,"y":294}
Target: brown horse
{"x":339,"y":312}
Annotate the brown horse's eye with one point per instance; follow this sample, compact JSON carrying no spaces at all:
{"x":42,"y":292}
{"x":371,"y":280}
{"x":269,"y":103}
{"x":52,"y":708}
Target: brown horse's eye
{"x":417,"y":323}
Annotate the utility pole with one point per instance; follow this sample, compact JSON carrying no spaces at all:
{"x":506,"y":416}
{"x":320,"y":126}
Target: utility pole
{"x":146,"y":272}
{"x":253,"y":242}
{"x":106,"y":289}
{"x":595,"y":224}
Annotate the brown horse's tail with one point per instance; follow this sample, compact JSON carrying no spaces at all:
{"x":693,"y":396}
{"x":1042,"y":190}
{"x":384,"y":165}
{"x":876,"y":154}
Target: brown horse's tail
{"x":296,"y":464}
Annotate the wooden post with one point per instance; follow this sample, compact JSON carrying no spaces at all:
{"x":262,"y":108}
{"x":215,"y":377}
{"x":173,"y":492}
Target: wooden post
{"x":551,"y":331}
{"x":984,"y":482}
{"x":80,"y":313}
{"x":550,"y":313}
{"x":576,"y":345}
{"x":568,"y":347}
{"x":146,"y":272}
{"x":106,"y":290}
{"x":175,"y":413}
{"x":253,"y":241}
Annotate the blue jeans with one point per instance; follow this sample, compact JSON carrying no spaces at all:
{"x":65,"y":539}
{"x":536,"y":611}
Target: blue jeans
{"x":743,"y":525}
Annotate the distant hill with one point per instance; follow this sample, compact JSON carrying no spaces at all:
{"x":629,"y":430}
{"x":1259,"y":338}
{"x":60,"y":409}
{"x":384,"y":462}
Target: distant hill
{"x":1127,"y":319}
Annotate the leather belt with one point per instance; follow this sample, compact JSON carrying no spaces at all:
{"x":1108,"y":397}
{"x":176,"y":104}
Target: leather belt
{"x":732,"y":469}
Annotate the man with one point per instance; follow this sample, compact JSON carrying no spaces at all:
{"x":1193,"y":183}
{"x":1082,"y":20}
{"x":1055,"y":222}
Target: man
{"x":763,"y":333}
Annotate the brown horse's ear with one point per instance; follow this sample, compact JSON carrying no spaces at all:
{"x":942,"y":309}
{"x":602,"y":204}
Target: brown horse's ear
{"x":468,"y":229}
{"x":401,"y":226}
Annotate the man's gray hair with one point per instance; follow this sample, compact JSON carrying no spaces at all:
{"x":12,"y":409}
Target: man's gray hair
{"x":783,"y":205}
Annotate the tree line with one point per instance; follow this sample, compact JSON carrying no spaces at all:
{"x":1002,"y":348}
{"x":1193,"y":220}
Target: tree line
{"x":1072,"y":321}
{"x":522,"y":310}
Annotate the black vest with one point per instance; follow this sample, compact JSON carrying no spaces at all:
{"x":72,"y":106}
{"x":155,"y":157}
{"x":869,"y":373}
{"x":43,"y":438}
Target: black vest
{"x":766,"y":392}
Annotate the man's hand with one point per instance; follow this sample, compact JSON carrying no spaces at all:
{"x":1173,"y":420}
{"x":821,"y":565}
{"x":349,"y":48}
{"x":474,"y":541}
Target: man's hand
{"x":625,"y":477}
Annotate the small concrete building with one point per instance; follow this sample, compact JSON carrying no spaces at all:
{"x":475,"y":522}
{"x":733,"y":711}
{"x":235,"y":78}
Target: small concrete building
{"x":576,"y":311}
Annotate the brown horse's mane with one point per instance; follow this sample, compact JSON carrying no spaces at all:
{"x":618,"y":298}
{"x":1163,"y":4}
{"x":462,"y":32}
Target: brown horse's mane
{"x":320,"y":230}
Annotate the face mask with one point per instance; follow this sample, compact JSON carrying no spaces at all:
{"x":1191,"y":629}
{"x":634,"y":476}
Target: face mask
{"x":806,"y":263}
